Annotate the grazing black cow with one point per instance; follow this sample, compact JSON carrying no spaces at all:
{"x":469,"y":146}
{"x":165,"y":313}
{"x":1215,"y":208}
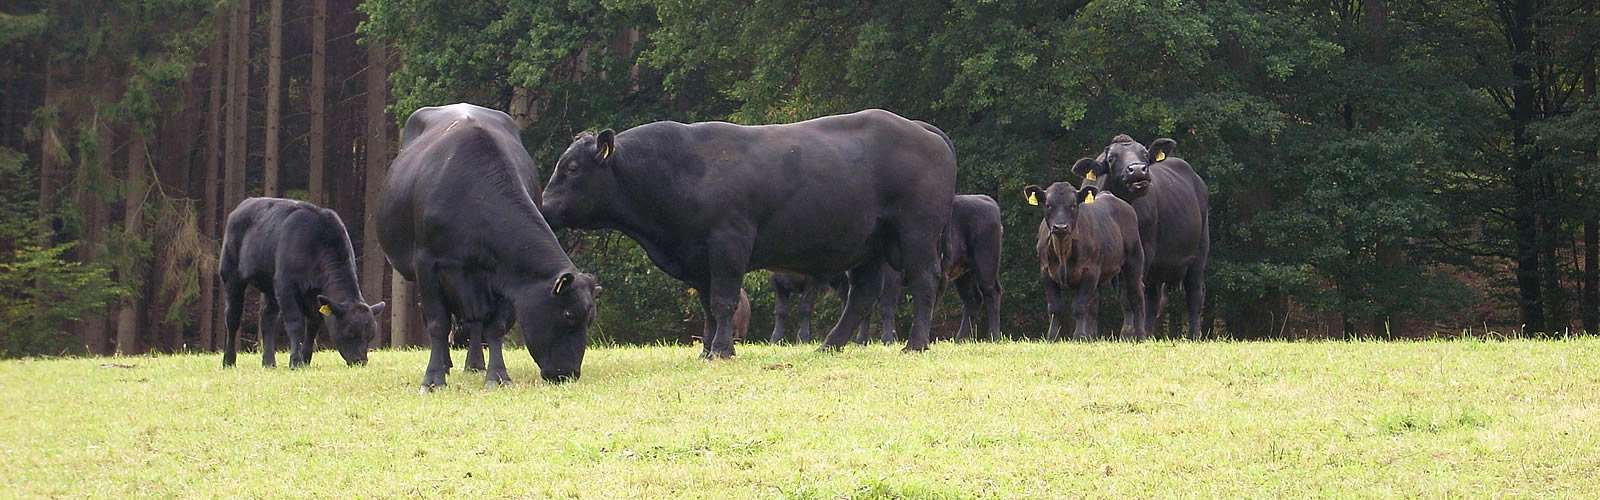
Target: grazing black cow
{"x":298,"y":255}
{"x":1084,"y":241}
{"x":1174,"y":217}
{"x":971,"y":259}
{"x":459,"y":215}
{"x":711,"y":201}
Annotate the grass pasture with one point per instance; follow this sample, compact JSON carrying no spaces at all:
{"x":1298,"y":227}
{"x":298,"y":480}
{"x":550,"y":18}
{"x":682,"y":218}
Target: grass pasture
{"x":1010,"y":420}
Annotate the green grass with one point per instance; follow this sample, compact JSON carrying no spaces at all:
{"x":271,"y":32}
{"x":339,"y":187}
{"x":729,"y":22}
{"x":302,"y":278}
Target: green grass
{"x":1429,"y":419}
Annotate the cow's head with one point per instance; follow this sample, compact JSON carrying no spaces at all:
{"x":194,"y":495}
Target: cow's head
{"x":555,"y":317}
{"x":1124,"y":167}
{"x":1060,"y":202}
{"x":352,"y":324}
{"x":583,"y":182}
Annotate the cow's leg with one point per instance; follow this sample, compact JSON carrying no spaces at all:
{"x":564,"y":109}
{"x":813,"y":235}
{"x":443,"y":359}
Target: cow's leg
{"x":268,"y":330}
{"x":920,"y":258}
{"x":987,"y":273}
{"x":1134,"y":326}
{"x":294,"y":320}
{"x":971,"y":302}
{"x":730,"y":256}
{"x":495,"y":375}
{"x":1194,"y":288}
{"x":474,"y":348}
{"x":888,"y":303}
{"x":437,"y":318}
{"x":1053,"y":303}
{"x":866,"y":282}
{"x":866,"y":327}
{"x":233,"y":313}
{"x":1155,"y":294}
{"x":309,"y":344}
{"x":1085,"y":308}
{"x":808,"y":303}
{"x":780,"y":310}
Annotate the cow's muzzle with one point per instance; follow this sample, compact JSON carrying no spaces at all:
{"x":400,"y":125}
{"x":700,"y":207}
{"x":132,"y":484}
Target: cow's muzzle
{"x":559,"y":376}
{"x":1060,"y":229}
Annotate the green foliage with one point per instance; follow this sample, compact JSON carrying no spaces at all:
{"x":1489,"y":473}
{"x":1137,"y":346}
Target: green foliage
{"x":1345,"y":158}
{"x":41,"y":292}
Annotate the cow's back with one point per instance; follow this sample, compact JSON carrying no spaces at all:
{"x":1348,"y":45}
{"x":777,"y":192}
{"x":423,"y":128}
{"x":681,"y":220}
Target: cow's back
{"x":814,"y":190}
{"x":259,"y":230}
{"x":460,"y":185}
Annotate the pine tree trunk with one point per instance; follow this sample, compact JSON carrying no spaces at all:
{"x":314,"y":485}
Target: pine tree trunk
{"x":274,"y":95}
{"x":208,"y":201}
{"x":1525,"y":212}
{"x":1591,"y":234}
{"x":128,"y":341}
{"x":372,"y":260}
{"x":238,"y":124}
{"x":318,"y":98}
{"x":93,"y":179}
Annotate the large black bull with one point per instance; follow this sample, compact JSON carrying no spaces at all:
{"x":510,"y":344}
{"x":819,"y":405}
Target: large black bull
{"x":459,"y":216}
{"x":711,"y":201}
{"x":299,"y":256}
{"x":1174,"y":217}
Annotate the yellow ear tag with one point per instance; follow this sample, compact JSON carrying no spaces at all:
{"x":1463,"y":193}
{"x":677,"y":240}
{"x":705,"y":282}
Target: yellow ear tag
{"x":562,"y":282}
{"x":1161,"y":155}
{"x":605,"y":152}
{"x":1032,"y":200}
{"x":325,"y":310}
{"x":1088,"y":199}
{"x":1088,"y":176}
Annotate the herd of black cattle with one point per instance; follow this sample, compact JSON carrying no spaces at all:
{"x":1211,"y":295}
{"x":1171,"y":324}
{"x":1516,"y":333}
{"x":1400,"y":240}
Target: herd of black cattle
{"x":863,"y":202}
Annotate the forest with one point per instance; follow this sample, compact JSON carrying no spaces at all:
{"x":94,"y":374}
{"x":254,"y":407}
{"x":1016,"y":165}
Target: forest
{"x":1377,"y":168}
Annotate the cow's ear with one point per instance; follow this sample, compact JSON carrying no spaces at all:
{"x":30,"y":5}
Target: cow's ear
{"x":605,"y":145}
{"x":379,"y":307}
{"x":1034,"y":194}
{"x":561,"y":284}
{"x":326,"y":305}
{"x":1086,"y":195}
{"x":1161,"y":149}
{"x":1086,"y":168}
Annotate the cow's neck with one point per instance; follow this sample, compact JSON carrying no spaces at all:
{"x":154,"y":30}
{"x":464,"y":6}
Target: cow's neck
{"x":339,"y":279}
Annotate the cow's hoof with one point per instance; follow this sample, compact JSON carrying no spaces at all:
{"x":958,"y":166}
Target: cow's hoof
{"x":830,"y":349}
{"x":915,"y":348}
{"x":432,"y":381}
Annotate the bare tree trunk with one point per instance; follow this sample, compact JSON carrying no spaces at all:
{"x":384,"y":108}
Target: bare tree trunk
{"x":208,"y":201}
{"x":372,"y":261}
{"x":400,"y":307}
{"x":128,"y":317}
{"x":274,"y":96}
{"x":49,"y":162}
{"x":238,"y":92}
{"x":93,"y":179}
{"x":1591,"y":234}
{"x":318,"y":98}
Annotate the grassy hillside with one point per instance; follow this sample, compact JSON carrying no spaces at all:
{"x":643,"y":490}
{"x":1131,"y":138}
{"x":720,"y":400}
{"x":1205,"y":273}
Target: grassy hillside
{"x":1461,"y":418}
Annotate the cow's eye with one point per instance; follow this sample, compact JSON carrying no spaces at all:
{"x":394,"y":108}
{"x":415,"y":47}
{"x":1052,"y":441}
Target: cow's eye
{"x":570,"y":315}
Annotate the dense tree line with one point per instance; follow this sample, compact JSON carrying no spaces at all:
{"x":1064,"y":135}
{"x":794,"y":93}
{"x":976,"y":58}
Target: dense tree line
{"x":1377,"y":167}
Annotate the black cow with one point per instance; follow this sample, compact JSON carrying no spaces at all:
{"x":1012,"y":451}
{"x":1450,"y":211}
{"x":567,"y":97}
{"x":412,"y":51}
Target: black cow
{"x":971,"y":259}
{"x":1174,"y":217}
{"x":298,"y":255}
{"x":1084,"y":242}
{"x":459,"y":215}
{"x":711,"y":201}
